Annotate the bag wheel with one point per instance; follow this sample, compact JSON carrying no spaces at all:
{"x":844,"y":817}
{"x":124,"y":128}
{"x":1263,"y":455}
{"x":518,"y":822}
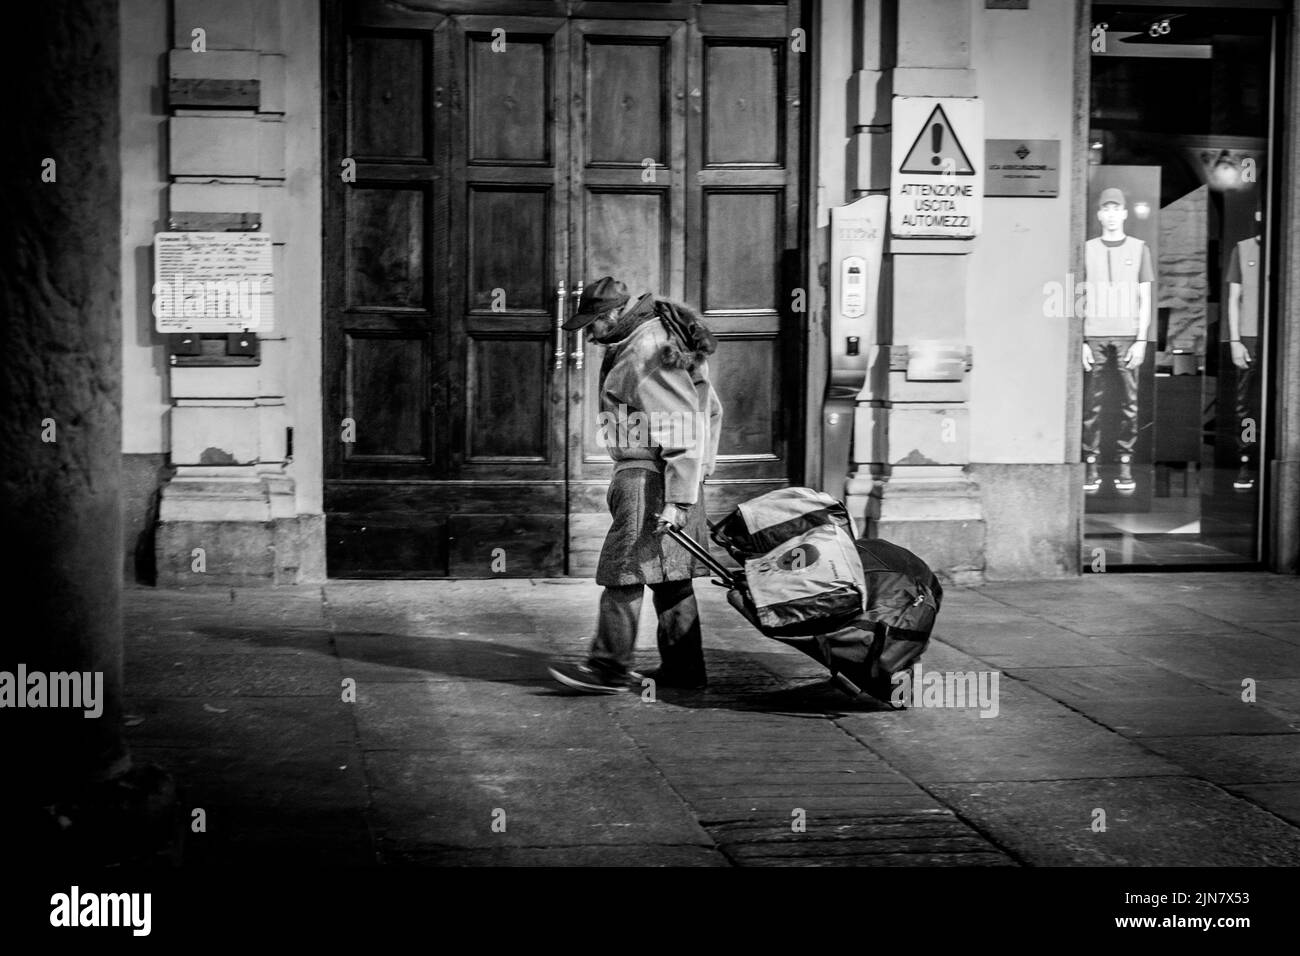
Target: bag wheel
{"x":846,"y":685}
{"x":854,"y":691}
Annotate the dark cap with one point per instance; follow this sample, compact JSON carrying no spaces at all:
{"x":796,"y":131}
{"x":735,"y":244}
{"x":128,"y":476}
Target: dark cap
{"x":1111,"y":195}
{"x":598,"y":298}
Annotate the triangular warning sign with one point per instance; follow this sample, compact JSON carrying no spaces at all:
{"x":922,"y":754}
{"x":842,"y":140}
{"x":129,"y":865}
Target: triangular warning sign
{"x":934,"y":146}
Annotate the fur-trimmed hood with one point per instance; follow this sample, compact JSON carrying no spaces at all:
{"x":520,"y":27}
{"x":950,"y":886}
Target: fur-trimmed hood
{"x":689,"y":340}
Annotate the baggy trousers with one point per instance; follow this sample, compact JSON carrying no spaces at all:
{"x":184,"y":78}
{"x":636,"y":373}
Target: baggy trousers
{"x":635,"y":557}
{"x":1108,"y":371}
{"x":681,"y":646}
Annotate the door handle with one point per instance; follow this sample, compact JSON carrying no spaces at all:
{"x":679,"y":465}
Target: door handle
{"x":577,"y":353}
{"x":559,"y":326}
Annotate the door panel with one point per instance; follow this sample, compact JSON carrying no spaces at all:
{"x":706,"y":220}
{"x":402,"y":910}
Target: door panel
{"x":387,"y":385}
{"x":628,"y":173}
{"x":656,"y":142}
{"x":738,"y":277}
{"x":743,"y":104}
{"x":629,"y":234}
{"x":509,"y":95}
{"x":389,"y":82}
{"x":509,"y":261}
{"x":744,"y":180}
{"x":624,"y":75}
{"x":747,"y":372}
{"x":386,"y":248}
{"x":508,"y":408}
{"x":384,"y":349}
{"x":509,"y":210}
{"x":400,"y":544}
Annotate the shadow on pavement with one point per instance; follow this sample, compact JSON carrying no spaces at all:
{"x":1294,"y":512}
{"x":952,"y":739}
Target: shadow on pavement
{"x":739,"y":682}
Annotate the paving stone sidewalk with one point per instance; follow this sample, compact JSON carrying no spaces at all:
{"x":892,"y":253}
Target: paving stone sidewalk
{"x":1120,"y":700}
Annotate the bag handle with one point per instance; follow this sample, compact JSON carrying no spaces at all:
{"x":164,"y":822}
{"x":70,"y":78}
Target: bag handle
{"x":700,"y":552}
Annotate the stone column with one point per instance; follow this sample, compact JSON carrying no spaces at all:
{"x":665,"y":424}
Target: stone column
{"x":60,"y":468}
{"x":70,"y":795}
{"x":911,"y":456}
{"x":1283,"y":541}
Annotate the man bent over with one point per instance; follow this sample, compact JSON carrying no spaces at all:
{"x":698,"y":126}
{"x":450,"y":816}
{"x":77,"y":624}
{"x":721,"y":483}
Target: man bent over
{"x":655,"y":372}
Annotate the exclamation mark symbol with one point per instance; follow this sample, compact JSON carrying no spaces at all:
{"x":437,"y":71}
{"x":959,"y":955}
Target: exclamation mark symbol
{"x":936,"y":143}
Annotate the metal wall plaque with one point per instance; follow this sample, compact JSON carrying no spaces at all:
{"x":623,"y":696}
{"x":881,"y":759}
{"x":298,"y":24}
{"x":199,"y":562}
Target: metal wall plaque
{"x":212,"y":282}
{"x":1022,"y":167}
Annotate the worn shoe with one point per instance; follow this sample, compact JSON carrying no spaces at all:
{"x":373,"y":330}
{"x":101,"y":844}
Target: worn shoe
{"x":1092,"y":481}
{"x":1124,"y":482}
{"x":587,"y":680}
{"x":1245,"y":479}
{"x":691,"y":681}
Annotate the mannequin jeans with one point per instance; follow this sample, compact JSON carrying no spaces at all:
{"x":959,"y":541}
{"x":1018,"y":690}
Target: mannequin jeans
{"x":1247,"y":402}
{"x":1110,"y":380}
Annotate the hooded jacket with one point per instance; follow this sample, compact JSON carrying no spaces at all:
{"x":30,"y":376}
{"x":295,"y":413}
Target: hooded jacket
{"x":658,"y":407}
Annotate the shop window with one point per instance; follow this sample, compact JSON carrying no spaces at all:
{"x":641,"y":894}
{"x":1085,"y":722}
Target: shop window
{"x":1178,"y":313}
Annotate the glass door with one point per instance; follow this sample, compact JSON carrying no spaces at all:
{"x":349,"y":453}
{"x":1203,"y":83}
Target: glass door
{"x":1177,"y":313}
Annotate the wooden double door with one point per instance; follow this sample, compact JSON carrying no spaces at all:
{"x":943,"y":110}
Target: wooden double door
{"x":483,"y":166}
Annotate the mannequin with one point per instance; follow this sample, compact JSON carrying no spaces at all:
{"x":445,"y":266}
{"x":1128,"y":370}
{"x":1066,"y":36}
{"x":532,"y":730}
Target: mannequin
{"x":1243,"y":340}
{"x":1115,"y":330}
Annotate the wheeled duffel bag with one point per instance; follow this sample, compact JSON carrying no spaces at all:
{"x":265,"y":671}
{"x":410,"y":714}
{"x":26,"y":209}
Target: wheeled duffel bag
{"x":863,"y":646}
